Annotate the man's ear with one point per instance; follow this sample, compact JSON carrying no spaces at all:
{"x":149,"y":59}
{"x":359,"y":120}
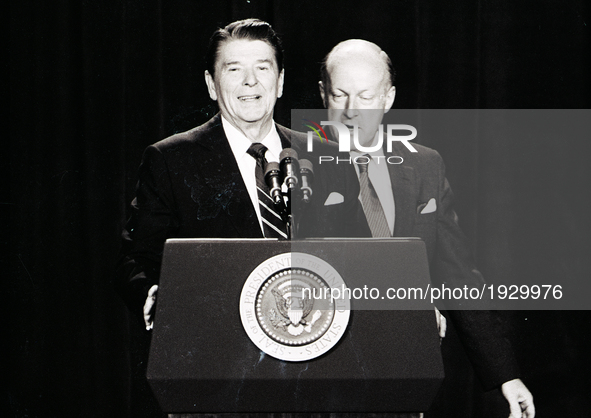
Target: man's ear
{"x":280,"y":83}
{"x":322,"y":93}
{"x":210,"y":86}
{"x":390,"y":96}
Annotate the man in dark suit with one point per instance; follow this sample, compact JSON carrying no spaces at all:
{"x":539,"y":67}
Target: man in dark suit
{"x":412,"y":198}
{"x":205,"y":182}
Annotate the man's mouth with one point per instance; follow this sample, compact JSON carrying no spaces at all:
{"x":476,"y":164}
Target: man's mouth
{"x":249,"y":98}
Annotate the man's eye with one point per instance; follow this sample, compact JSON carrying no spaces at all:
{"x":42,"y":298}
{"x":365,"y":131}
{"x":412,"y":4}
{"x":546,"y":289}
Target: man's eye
{"x":366,"y":98}
{"x":231,"y":69}
{"x":263,"y":68}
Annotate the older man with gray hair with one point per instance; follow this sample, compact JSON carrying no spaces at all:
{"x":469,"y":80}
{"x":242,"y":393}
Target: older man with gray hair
{"x":414,"y":199}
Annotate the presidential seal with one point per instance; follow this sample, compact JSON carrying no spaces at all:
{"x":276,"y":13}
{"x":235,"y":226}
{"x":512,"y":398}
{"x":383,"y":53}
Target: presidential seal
{"x":287,"y":309}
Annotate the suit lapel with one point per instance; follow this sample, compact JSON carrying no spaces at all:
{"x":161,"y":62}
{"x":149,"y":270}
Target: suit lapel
{"x":221,"y":174}
{"x":403,"y":185}
{"x":284,"y":136}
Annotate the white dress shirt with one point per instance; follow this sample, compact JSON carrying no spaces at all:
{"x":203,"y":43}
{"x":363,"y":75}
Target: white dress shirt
{"x":246,"y":163}
{"x":380,"y":179}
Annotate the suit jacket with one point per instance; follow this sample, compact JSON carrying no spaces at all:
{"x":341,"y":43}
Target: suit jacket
{"x":420,"y":178}
{"x":190,"y":186}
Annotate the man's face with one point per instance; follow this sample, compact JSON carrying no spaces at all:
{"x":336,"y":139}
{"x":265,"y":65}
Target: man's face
{"x":247,"y":81}
{"x":358,"y":93}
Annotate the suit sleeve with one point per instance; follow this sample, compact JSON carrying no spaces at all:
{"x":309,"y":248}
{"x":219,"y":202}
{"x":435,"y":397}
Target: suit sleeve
{"x":482,"y":331}
{"x":153,"y":219}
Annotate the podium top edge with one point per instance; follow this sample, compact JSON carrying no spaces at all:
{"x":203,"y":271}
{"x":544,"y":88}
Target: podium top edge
{"x":175,"y":240}
{"x":198,"y":240}
{"x":361,"y":239}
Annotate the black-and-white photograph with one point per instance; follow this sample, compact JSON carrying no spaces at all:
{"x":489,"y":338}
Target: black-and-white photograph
{"x":299,"y":209}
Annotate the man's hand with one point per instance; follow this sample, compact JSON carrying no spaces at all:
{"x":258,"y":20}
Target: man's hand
{"x":441,"y":323}
{"x":521,"y":401}
{"x":149,"y":307}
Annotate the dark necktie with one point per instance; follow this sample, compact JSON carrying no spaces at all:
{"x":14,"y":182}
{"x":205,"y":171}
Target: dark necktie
{"x":374,"y":213}
{"x":273,"y":225}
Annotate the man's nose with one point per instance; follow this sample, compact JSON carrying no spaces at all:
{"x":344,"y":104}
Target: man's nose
{"x":350,"y":108}
{"x":250,"y":78}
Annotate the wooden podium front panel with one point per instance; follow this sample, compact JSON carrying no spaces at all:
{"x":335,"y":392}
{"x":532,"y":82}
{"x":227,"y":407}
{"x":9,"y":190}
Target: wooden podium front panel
{"x":201,"y":359}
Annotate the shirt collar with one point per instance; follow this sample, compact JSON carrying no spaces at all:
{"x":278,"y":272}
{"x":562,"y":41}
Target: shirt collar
{"x":379,"y":153}
{"x":240,"y":143}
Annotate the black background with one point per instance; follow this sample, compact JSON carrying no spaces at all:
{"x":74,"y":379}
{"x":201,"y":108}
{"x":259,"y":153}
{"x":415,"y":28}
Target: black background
{"x":92,"y":83}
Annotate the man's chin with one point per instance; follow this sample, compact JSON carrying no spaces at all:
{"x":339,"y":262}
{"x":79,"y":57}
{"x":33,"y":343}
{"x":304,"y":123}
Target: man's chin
{"x":362,"y":143}
{"x":258,"y":117}
{"x":254,"y":116}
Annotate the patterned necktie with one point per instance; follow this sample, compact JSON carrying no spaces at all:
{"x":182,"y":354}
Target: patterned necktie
{"x":273,"y":225}
{"x":374,"y":213}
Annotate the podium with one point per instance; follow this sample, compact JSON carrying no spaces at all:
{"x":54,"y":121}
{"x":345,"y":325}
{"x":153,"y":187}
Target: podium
{"x":202,"y":360}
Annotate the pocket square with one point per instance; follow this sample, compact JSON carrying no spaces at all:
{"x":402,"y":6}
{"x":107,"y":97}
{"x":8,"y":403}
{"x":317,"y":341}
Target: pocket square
{"x":430,"y":207}
{"x":334,"y":198}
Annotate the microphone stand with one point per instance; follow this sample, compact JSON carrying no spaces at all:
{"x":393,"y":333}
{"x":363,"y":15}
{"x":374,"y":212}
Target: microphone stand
{"x":298,"y":197}
{"x":297,"y":179}
{"x":289,"y":167}
{"x":303,"y":192}
{"x":292,"y":227}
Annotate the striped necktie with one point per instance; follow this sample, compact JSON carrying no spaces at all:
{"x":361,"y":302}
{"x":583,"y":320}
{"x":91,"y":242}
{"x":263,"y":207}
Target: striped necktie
{"x":273,"y":225}
{"x":374,"y":213}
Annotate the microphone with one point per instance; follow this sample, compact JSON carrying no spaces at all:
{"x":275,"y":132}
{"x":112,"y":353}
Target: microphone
{"x":307,"y":175}
{"x":289,"y":167}
{"x":274,"y":181}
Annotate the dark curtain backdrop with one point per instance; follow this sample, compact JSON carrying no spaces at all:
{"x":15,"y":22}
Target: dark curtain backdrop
{"x":92,"y":83}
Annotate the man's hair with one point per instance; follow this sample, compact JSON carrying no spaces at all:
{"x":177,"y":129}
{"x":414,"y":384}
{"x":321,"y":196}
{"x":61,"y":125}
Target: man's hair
{"x":250,"y":29}
{"x":324,"y":68}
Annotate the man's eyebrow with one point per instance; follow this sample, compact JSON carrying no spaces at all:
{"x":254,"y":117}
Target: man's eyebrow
{"x":338,"y":90}
{"x":264,"y":60}
{"x":227,"y":64}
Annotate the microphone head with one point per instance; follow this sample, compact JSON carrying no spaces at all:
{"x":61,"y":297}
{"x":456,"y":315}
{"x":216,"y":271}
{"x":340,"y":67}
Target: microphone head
{"x":306,"y":165}
{"x":288,"y":153}
{"x":271,"y":166}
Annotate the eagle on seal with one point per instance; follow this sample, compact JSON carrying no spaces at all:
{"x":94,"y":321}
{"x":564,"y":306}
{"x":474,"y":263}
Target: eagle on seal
{"x":294,"y":309}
